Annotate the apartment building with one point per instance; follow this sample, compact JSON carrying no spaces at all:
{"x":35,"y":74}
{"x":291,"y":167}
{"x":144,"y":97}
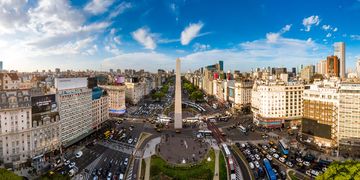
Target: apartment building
{"x":100,"y":107}
{"x":116,"y":99}
{"x":239,"y":92}
{"x":15,"y":126}
{"x":320,"y":119}
{"x":134,"y":92}
{"x":349,"y":114}
{"x":277,"y":102}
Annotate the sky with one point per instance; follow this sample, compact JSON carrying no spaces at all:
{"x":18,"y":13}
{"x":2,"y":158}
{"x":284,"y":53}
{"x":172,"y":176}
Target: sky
{"x":151,"y":34}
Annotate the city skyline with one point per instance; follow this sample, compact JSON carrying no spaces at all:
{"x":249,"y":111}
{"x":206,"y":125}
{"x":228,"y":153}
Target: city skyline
{"x":101,"y":35}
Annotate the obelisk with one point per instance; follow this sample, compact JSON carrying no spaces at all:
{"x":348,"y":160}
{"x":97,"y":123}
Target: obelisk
{"x":178,"y":104}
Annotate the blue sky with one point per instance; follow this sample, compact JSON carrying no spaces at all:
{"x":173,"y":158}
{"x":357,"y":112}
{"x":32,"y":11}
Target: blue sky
{"x":150,"y":34}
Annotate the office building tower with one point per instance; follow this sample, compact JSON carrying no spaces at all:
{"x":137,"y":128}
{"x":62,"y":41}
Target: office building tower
{"x":339,"y":51}
{"x":358,"y":68}
{"x":332,"y":66}
{"x":321,"y":67}
{"x":1,"y":65}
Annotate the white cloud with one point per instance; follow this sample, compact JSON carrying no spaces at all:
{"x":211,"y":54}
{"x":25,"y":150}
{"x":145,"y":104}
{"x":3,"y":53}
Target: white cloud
{"x":310,"y":21}
{"x":145,"y":38}
{"x":286,"y":28}
{"x":326,"y":27}
{"x":355,"y":37}
{"x":121,"y":8}
{"x":328,"y":35}
{"x":98,"y":6}
{"x":272,"y":37}
{"x":335,"y":29}
{"x":190,"y":32}
{"x":201,"y":47}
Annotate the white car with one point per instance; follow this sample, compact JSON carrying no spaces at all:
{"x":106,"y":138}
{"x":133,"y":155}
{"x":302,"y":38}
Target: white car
{"x":272,"y":150}
{"x":275,"y":156}
{"x":281,"y":159}
{"x":306,"y":163}
{"x":290,"y":164}
{"x":251,"y":165}
{"x":257,"y":165}
{"x":324,"y":169}
{"x":257,"y":157}
{"x":314,"y":172}
{"x":79,"y":154}
{"x":243,"y":145}
{"x":126,"y":161}
{"x":265,"y":147}
{"x":268,"y":156}
{"x":308,"y":172}
{"x":67,"y":162}
{"x":72,"y":164}
{"x":299,"y":160}
{"x":130,"y":140}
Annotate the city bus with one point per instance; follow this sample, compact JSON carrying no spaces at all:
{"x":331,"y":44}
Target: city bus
{"x":205,"y":133}
{"x":226,"y":149}
{"x":284,"y":148}
{"x":269,"y":170}
{"x":232,"y":169}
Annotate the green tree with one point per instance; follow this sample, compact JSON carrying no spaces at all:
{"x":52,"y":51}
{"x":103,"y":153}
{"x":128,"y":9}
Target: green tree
{"x":8,"y":175}
{"x":158,"y":95}
{"x":197,"y":96}
{"x":338,"y":170}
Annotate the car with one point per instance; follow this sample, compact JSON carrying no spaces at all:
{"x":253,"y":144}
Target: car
{"x":290,"y":164}
{"x":109,"y":176}
{"x":324,"y":169}
{"x":281,"y":159}
{"x":243,"y":145}
{"x":251,"y":164}
{"x":308,"y":172}
{"x":121,"y":176}
{"x":269,"y":157}
{"x":265,"y":147}
{"x":252,"y":157}
{"x":257,"y":157}
{"x":72,"y":164}
{"x":79,"y":154}
{"x":272,"y":150}
{"x":130,"y":141}
{"x":299,"y":160}
{"x":95,"y":177}
{"x":94,"y":172}
{"x":99,"y":172}
{"x":275,"y":156}
{"x":67,"y":162}
{"x":126,"y":161}
{"x":306,"y":163}
{"x":257,"y":165}
{"x":314,"y":172}
{"x":135,"y":140}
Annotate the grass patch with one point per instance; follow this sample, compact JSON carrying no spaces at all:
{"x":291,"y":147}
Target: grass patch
{"x":222,"y":167}
{"x":203,"y":170}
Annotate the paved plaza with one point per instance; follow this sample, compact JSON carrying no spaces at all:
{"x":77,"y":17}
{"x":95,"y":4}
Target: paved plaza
{"x":180,"y":149}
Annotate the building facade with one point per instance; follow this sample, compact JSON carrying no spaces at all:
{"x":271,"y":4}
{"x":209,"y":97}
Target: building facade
{"x":332,"y":66}
{"x":274,"y":103}
{"x":339,"y":51}
{"x":134,"y":92}
{"x":116,"y":99}
{"x":100,"y":108}
{"x":75,"y":105}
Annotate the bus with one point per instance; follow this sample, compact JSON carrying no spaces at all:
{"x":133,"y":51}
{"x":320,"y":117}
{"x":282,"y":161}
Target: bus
{"x":242,"y":129}
{"x":226,"y":149}
{"x":284,"y":148}
{"x":232,"y":169}
{"x":269,"y":170}
{"x":205,"y":133}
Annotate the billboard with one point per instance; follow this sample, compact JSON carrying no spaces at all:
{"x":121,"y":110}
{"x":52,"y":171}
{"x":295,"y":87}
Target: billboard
{"x":41,"y":104}
{"x":70,"y":83}
{"x":120,"y":80}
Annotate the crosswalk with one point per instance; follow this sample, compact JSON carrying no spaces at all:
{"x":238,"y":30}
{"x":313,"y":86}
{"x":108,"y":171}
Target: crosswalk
{"x":130,"y":172}
{"x":91,"y":167}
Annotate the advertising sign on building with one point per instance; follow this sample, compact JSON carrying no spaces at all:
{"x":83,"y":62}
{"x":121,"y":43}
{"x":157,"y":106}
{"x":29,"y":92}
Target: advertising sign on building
{"x":41,"y":104}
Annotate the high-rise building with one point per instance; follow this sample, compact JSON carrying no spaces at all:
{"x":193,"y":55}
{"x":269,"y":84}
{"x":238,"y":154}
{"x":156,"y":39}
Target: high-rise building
{"x":75,"y":106}
{"x":358,"y":68}
{"x":307,"y":73}
{"x":117,"y":99}
{"x":339,"y":51}
{"x":332,"y":66}
{"x":1,"y":65}
{"x":57,"y":70}
{"x":321,"y":67}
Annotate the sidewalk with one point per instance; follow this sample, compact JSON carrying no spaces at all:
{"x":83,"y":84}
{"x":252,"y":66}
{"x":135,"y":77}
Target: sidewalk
{"x":150,"y":147}
{"x":216,"y":175}
{"x":147,"y":169}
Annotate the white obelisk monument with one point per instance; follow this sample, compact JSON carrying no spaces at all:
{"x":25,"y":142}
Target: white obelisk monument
{"x":178,"y":104}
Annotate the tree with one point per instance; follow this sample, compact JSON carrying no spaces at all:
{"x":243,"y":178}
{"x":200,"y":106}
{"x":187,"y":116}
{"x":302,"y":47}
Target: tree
{"x":197,"y":96}
{"x":337,"y":170}
{"x":158,"y":95}
{"x":8,"y":175}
